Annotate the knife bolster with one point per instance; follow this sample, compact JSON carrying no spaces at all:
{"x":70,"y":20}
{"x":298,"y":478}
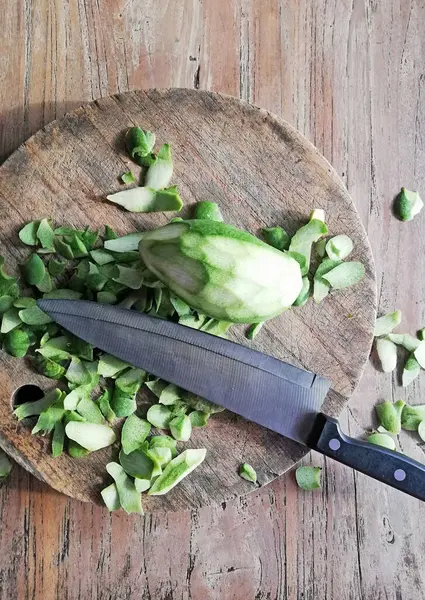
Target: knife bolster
{"x":324,"y":430}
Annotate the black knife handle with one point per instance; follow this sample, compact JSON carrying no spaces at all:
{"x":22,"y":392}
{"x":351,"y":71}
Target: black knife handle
{"x":392,"y":468}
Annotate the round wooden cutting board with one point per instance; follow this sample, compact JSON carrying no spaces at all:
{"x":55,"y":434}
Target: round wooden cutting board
{"x":262,"y":173}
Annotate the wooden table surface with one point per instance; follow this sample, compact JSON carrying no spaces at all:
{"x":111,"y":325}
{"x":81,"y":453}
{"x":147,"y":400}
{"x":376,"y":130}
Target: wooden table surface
{"x":350,"y":74}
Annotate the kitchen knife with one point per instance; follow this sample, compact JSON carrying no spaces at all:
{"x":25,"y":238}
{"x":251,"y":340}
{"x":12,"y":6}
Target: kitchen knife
{"x":254,"y":385}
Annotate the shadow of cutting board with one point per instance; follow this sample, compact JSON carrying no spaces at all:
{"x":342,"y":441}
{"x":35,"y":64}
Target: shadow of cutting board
{"x":262,"y":173}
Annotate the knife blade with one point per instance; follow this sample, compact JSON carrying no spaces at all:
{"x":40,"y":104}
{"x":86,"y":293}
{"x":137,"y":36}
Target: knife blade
{"x":256,"y":386}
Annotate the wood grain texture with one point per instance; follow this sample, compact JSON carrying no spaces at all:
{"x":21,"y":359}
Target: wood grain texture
{"x":261,"y":172}
{"x":349,"y":74}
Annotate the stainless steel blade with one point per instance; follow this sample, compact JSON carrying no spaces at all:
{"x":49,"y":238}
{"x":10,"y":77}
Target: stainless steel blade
{"x":254,"y":385}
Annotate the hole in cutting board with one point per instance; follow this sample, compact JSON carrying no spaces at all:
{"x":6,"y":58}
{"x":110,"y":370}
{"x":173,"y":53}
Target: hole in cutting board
{"x":26,"y":393}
